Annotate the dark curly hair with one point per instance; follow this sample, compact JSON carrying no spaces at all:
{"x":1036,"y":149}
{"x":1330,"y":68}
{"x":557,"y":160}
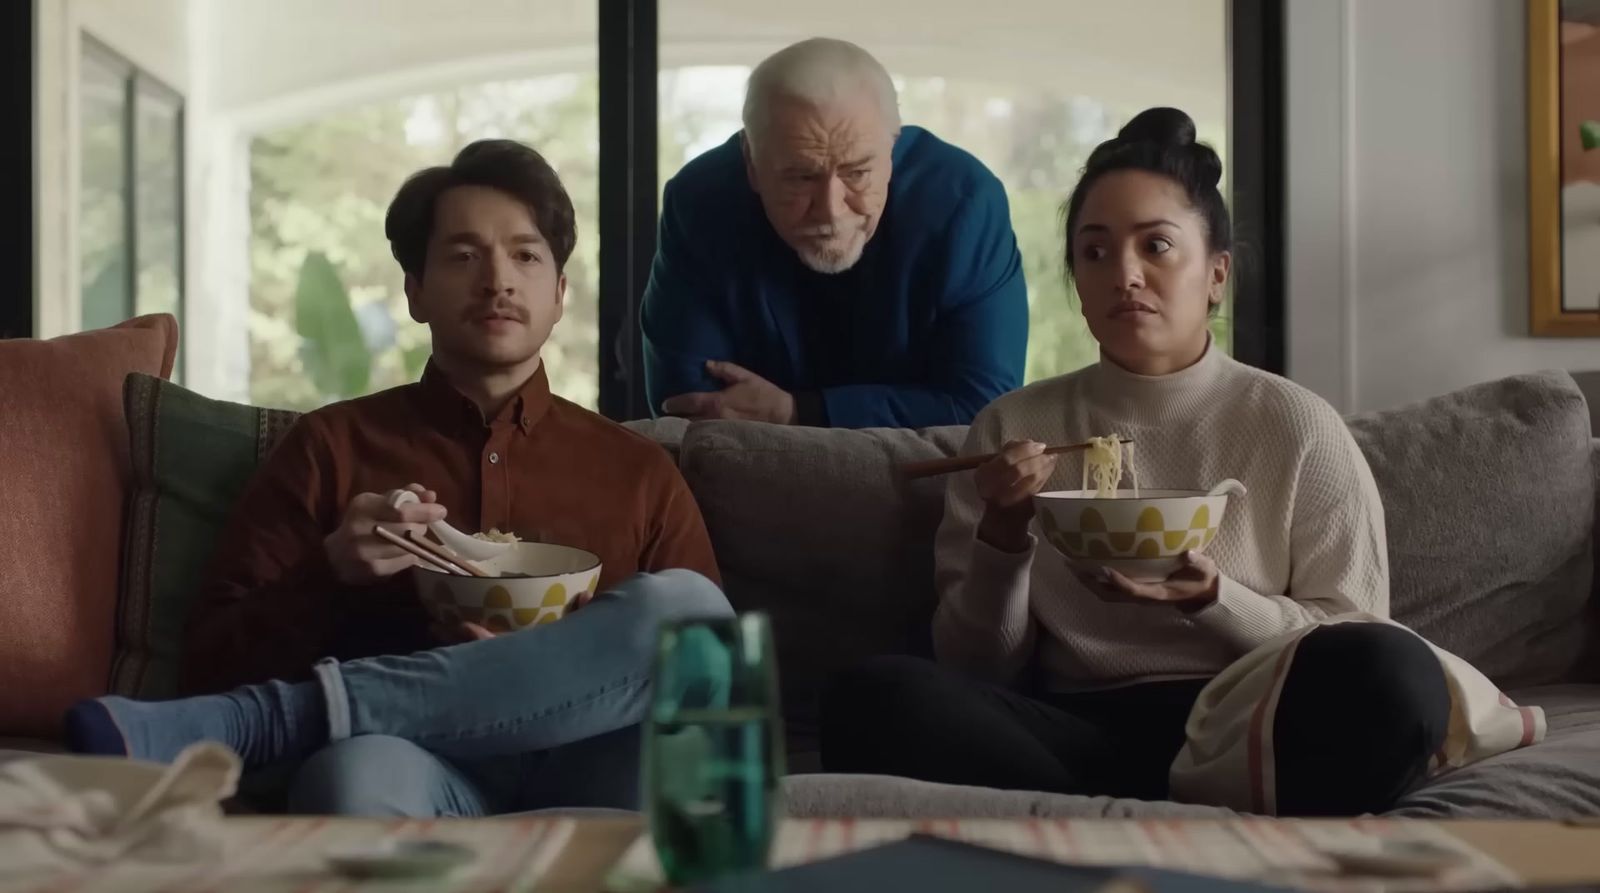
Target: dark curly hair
{"x":1161,"y":141}
{"x":506,"y":165}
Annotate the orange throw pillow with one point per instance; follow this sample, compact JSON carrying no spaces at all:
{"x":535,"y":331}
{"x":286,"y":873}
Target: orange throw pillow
{"x":64,"y":473}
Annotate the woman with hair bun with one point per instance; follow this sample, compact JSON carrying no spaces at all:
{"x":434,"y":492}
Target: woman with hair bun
{"x":1056,"y":679}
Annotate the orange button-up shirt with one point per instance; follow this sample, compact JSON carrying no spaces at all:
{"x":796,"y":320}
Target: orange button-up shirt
{"x":543,"y":468}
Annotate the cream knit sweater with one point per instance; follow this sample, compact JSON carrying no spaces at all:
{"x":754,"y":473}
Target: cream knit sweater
{"x":1305,"y":543}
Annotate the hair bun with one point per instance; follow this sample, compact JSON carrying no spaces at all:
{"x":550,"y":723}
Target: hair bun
{"x":1169,"y":133}
{"x":1163,"y":126}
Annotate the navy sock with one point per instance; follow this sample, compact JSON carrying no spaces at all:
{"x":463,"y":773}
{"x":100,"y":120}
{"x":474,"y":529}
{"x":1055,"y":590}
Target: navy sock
{"x":90,"y":729}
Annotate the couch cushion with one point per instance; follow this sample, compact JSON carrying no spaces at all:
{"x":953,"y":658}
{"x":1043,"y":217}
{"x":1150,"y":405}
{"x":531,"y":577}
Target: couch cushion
{"x":191,"y":458}
{"x":816,"y":528}
{"x":1489,"y":495}
{"x":64,"y":478}
{"x":1558,"y":778}
{"x":668,"y":432}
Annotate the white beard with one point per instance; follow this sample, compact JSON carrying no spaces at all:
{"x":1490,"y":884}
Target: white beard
{"x":834,"y":258}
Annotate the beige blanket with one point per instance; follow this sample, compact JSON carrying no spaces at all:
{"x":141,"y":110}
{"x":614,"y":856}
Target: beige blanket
{"x":1227,"y":755}
{"x":59,"y":813}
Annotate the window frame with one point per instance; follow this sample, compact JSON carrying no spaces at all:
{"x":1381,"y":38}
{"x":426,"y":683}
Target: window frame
{"x":1257,"y":152}
{"x":18,"y":174}
{"x":140,"y":86}
{"x":628,"y":185}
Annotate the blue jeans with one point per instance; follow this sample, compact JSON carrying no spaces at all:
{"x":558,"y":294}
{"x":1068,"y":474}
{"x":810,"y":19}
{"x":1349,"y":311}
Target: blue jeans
{"x":546,"y":717}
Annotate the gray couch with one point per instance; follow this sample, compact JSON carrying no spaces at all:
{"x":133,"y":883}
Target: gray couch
{"x":1490,"y":498}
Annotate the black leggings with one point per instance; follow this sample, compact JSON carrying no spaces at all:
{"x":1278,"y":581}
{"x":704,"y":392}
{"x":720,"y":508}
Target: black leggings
{"x":910,"y":717}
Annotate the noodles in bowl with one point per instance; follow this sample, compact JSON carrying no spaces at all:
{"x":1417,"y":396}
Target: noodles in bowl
{"x":1142,"y":534}
{"x":1102,"y":464}
{"x":535,"y":583}
{"x":493,"y":535}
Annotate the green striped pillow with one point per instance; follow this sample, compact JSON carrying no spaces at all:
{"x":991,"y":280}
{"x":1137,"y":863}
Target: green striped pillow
{"x":191,"y":459}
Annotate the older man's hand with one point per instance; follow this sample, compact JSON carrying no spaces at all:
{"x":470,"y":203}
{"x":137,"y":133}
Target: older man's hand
{"x":747,"y":397}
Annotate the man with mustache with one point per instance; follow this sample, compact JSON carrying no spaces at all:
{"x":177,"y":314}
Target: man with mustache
{"x":308,"y":624}
{"x":828,"y":267}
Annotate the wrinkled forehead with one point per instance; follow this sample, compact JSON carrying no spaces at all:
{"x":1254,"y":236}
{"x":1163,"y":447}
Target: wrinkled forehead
{"x":840,"y":131}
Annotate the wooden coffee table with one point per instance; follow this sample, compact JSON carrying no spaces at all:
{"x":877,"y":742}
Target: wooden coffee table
{"x":1543,"y":853}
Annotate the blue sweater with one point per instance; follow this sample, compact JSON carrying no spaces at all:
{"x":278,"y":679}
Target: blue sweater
{"x":928,"y":328}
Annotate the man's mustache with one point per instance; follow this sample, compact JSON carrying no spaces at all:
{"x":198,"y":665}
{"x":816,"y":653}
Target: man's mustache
{"x":824,"y":230}
{"x":501,"y":310}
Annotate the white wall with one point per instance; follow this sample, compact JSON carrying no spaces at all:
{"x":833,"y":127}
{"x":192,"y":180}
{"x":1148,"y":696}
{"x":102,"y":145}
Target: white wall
{"x":271,"y":62}
{"x":55,"y":304}
{"x":1408,"y":257}
{"x":153,"y":35}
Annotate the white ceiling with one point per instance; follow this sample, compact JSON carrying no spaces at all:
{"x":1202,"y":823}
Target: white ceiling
{"x":273,"y":60}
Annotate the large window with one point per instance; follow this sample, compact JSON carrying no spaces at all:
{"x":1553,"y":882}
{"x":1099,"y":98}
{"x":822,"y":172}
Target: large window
{"x":130,"y":208}
{"x":632,"y":89}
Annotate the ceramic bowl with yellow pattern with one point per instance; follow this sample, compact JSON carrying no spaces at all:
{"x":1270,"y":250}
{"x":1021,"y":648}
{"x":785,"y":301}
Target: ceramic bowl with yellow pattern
{"x":538,"y":583}
{"x":1141,"y":538}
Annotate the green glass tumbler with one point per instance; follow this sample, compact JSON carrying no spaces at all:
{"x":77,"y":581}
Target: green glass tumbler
{"x":713,"y":747}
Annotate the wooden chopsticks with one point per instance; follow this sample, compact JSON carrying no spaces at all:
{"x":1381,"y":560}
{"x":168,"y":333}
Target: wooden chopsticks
{"x":434,"y":555}
{"x":933,"y":467}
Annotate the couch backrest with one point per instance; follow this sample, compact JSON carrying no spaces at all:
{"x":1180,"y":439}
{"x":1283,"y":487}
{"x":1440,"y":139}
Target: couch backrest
{"x":1489,"y":499}
{"x":1489,"y":493}
{"x":815,"y":528}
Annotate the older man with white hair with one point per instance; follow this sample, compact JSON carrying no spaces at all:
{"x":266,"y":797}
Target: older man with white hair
{"x":827,"y":266}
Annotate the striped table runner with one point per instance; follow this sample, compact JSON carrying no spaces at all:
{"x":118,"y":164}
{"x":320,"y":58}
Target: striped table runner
{"x":1273,"y":851}
{"x":288,"y":855}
